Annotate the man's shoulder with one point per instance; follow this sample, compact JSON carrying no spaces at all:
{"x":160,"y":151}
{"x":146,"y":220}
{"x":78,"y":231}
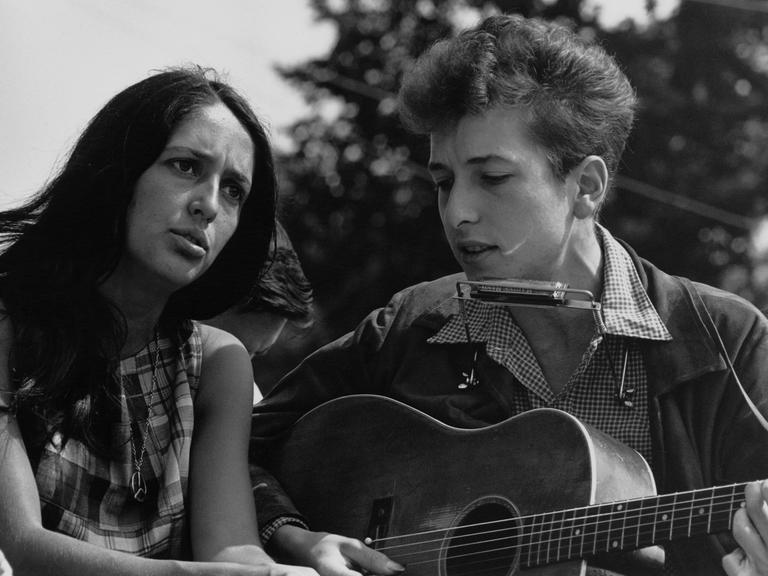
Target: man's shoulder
{"x":669,"y":291}
{"x":429,"y":295}
{"x":439,"y":288}
{"x":424,"y":304}
{"x":733,"y":306}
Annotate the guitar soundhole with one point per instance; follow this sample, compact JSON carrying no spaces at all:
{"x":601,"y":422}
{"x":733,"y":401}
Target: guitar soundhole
{"x":483,"y":542}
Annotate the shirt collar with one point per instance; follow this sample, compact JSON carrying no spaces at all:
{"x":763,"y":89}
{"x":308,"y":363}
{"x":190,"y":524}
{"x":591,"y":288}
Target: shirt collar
{"x":627,"y":310}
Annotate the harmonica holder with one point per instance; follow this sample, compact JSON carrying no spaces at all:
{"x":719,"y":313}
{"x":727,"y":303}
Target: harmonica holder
{"x":531,"y":293}
{"x":528,"y":293}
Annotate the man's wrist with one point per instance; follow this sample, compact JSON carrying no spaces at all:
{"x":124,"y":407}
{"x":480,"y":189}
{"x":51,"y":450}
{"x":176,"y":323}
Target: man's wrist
{"x":271,"y":528}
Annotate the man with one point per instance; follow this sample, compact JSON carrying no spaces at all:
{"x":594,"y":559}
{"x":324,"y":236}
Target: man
{"x":527,"y":124}
{"x":282,"y":295}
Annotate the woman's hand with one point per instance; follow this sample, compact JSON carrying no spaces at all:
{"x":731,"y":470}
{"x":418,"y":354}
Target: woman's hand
{"x":332,"y":555}
{"x":234,"y":569}
{"x":750,"y":529}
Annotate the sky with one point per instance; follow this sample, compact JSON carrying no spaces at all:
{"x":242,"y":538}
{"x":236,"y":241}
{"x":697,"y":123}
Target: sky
{"x":61,"y":60}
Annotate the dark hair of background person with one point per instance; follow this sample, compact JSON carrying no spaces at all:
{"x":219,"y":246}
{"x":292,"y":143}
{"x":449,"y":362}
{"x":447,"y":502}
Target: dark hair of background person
{"x":282,"y":288}
{"x":61,"y":244}
{"x":580,"y":102}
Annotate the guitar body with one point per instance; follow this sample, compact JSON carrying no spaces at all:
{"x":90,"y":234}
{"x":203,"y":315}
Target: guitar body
{"x":371,"y":467}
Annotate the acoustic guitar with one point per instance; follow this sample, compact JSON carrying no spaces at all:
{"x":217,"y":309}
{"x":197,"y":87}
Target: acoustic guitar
{"x":490,"y":501}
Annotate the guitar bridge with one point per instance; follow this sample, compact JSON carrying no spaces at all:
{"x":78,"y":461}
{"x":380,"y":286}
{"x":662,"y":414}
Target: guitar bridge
{"x":381,"y":514}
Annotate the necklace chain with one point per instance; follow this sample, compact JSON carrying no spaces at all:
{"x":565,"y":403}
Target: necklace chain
{"x":138,"y":484}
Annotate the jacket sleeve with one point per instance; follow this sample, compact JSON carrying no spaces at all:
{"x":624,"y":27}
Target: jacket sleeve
{"x":343,"y":367}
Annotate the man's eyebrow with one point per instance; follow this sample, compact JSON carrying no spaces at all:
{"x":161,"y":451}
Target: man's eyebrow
{"x":474,"y":161}
{"x":488,"y":157}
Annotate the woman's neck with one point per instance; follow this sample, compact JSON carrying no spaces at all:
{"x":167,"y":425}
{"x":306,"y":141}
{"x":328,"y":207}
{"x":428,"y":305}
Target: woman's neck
{"x":141,"y":310}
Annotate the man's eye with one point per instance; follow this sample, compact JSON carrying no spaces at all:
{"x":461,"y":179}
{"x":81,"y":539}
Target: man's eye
{"x":494,"y":178}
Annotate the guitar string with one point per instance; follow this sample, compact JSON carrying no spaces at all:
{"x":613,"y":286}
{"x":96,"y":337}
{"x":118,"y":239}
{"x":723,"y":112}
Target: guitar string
{"x":598,"y":537}
{"x":526,"y":552}
{"x":715,"y":494}
{"x":525,"y":556}
{"x":583,"y":535}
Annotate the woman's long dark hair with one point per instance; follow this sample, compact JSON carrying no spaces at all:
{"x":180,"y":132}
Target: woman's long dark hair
{"x":64,"y":242}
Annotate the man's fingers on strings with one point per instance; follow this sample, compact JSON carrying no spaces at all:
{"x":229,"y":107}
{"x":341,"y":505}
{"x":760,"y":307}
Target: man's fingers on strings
{"x":370,"y":560}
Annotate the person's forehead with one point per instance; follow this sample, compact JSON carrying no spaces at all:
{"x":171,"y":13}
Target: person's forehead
{"x":498,"y":133}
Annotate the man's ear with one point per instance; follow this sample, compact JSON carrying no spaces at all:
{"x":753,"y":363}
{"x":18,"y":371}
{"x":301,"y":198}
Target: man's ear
{"x":591,"y":177}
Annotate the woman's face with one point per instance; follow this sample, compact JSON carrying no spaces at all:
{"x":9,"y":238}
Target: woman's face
{"x":187,"y":204}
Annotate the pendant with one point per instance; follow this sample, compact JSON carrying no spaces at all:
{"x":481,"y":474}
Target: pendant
{"x":138,"y":486}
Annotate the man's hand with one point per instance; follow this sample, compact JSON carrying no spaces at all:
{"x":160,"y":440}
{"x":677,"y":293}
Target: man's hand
{"x":750,"y":529}
{"x":332,"y":555}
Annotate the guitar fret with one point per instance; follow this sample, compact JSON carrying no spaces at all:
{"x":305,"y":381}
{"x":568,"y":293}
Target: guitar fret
{"x":733,"y":500}
{"x":583,"y":530}
{"x":608,"y":531}
{"x":547,"y":531}
{"x":672,"y":516}
{"x":598,"y":527}
{"x":561,"y":523}
{"x":526,"y":539}
{"x":621,"y":513}
{"x":539,"y":536}
{"x":711,"y":509}
{"x":639,"y":523}
{"x":573,"y":532}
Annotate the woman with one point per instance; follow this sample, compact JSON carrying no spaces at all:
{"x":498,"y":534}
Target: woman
{"x":123,"y":424}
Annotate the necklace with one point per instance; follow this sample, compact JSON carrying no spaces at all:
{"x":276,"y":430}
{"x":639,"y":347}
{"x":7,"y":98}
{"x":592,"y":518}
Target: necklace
{"x":138,"y":484}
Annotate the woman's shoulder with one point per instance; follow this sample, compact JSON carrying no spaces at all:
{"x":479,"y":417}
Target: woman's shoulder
{"x":215,"y":340}
{"x":223,"y":353}
{"x":226,"y":365}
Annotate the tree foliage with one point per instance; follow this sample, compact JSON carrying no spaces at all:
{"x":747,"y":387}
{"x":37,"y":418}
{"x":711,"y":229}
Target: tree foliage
{"x":361,"y":209}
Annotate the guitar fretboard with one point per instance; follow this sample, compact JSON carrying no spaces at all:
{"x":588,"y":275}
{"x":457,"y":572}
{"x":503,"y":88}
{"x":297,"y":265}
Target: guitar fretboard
{"x":629,"y":524}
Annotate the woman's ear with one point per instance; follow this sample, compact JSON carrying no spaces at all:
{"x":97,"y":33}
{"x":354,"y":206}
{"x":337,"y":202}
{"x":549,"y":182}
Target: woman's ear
{"x":591,"y":176}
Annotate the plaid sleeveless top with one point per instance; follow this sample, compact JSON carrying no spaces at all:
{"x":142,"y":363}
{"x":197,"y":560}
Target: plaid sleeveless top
{"x":89,"y":497}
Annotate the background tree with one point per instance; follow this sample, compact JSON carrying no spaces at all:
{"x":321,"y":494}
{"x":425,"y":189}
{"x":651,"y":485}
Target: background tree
{"x":361,"y":208}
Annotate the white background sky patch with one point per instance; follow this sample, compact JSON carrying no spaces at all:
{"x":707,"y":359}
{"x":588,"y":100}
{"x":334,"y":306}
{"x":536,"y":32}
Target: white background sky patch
{"x":61,"y":60}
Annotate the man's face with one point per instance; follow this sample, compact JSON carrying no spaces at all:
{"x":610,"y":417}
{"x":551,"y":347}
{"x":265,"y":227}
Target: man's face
{"x":504,"y":212}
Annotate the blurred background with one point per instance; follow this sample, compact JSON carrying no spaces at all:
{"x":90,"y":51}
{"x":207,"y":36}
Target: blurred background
{"x":692,"y":191}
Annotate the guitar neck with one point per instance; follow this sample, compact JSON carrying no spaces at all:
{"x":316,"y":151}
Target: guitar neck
{"x":626,"y":525}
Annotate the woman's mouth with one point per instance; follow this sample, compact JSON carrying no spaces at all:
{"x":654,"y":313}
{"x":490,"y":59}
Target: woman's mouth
{"x":190,"y":245}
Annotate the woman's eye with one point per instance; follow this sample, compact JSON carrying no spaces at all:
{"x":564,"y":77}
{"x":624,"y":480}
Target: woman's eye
{"x":234,"y":192}
{"x":444,"y":185}
{"x":185,"y":166}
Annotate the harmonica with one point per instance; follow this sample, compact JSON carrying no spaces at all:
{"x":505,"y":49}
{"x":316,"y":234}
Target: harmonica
{"x":526,"y":292}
